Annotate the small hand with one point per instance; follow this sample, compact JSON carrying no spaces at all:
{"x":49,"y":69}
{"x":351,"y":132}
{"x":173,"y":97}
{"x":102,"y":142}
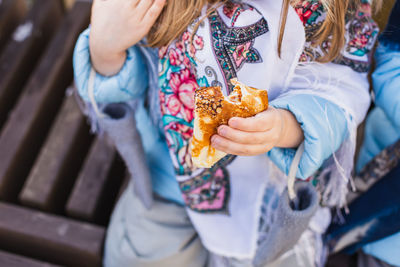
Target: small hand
{"x":117,"y":25}
{"x":259,"y":134}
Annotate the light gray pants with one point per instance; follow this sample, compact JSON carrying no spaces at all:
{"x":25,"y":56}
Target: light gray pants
{"x":163,"y":236}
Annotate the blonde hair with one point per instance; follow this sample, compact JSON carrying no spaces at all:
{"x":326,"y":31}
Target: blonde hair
{"x":175,"y":18}
{"x":179,"y":14}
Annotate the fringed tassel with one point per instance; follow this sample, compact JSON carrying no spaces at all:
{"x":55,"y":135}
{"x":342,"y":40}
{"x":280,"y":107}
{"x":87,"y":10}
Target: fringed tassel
{"x":337,"y":170}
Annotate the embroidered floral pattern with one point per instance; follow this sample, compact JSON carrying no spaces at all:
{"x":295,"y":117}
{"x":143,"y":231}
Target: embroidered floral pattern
{"x":362,"y":32}
{"x":178,"y":84}
{"x":210,"y":191}
{"x":309,"y":11}
{"x":234,"y":46}
{"x":233,"y":10}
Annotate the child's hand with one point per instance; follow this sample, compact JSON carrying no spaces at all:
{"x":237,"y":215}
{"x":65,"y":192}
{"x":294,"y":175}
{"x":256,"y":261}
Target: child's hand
{"x":259,"y":134}
{"x":117,"y":25}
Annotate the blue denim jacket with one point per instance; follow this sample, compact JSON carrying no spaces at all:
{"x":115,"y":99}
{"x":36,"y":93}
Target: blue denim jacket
{"x":131,"y":83}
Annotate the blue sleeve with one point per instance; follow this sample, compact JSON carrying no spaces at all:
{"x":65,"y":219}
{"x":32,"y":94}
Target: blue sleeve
{"x":386,"y":82}
{"x":325,"y":128}
{"x":131,"y":81}
{"x":383,"y":125}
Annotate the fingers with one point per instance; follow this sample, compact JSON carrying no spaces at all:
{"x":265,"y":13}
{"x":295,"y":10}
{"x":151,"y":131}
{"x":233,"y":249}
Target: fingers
{"x":154,"y":11}
{"x":144,"y":4}
{"x":233,"y":148}
{"x":259,"y":123}
{"x":241,"y":137}
{"x":134,"y":3}
{"x":142,"y":7}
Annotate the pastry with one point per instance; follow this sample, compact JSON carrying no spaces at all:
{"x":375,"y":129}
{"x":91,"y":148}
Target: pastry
{"x":213,"y":109}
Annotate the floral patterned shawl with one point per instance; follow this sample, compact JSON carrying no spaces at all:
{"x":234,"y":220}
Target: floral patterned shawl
{"x":239,"y":40}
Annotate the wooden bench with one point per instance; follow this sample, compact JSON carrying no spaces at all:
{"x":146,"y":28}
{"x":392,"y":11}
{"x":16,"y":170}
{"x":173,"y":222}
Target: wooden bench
{"x":58,"y":183}
{"x":11,"y":13}
{"x":18,"y":60}
{"x":49,"y":237}
{"x":53,"y":174}
{"x":12,"y":260}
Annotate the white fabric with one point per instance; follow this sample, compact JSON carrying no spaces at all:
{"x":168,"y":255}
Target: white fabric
{"x":235,"y":234}
{"x":336,"y":83}
{"x":340,"y":85}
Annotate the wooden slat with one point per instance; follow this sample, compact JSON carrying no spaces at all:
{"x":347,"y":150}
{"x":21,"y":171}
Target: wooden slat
{"x":59,"y":161}
{"x":50,"y":238}
{"x":31,"y":119}
{"x":91,"y":183}
{"x":11,"y":13}
{"x":24,"y":50}
{"x":69,"y":3}
{"x":12,"y":260}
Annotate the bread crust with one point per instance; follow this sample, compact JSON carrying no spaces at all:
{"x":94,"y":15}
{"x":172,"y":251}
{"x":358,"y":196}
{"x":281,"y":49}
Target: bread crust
{"x":213,"y":109}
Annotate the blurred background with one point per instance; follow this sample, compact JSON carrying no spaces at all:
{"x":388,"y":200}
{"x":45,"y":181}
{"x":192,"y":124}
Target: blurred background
{"x":58,"y":183}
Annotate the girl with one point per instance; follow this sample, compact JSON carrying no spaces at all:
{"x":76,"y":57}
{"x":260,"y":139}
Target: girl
{"x":311,"y":56}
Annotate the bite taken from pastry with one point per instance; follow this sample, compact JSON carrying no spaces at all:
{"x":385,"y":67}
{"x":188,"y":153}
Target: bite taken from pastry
{"x":213,"y":109}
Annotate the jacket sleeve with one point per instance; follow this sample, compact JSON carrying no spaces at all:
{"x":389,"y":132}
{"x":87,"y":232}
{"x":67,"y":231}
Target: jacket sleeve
{"x":329,"y":100}
{"x":386,"y":78}
{"x":383,"y":124}
{"x":320,"y":138}
{"x":129,"y":83}
{"x":386,"y":81}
